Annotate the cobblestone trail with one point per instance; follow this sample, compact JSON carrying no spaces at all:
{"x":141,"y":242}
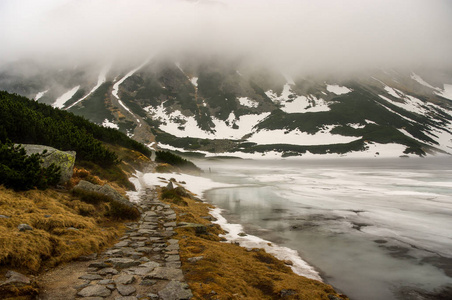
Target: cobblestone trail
{"x":144,"y":264}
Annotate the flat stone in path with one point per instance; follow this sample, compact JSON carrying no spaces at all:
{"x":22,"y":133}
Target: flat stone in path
{"x":166,"y":273}
{"x":122,"y":263}
{"x":91,"y":277}
{"x":126,"y":290}
{"x":94,"y":291}
{"x":175,"y":290}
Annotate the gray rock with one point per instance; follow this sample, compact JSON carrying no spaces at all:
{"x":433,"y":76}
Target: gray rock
{"x":125,"y":279}
{"x":126,"y":298}
{"x":98,"y":264}
{"x":106,"y":271}
{"x":170,"y":186}
{"x":153,"y":296}
{"x":63,"y":159}
{"x":91,"y":277}
{"x":122,"y":263}
{"x":172,"y":258}
{"x":148,"y":282}
{"x":122,"y":244}
{"x":94,"y":291}
{"x":104,"y":190}
{"x":24,"y":227}
{"x":125,"y":290}
{"x":4,"y":217}
{"x":166,"y":273}
{"x":105,"y":281}
{"x":175,"y":290}
{"x":16,"y":278}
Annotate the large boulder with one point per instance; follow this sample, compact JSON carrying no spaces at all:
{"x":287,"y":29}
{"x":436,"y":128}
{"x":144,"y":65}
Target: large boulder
{"x":63,"y":159}
{"x":104,"y":190}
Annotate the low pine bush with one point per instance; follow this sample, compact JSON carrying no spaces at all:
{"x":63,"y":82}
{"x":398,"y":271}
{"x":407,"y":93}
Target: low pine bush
{"x":21,"y":172}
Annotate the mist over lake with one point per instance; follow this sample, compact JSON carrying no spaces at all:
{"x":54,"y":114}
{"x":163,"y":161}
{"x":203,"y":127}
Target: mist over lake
{"x":373,"y":228}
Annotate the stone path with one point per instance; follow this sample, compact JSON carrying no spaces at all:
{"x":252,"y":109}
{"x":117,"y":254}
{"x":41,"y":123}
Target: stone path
{"x":144,"y":264}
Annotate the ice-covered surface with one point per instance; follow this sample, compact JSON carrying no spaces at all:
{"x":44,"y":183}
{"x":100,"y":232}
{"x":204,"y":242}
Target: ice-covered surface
{"x":364,"y":223}
{"x":60,"y":101}
{"x":110,"y":124}
{"x":40,"y":94}
{"x":447,"y":92}
{"x":100,"y":80}
{"x":337,"y":89}
{"x":179,"y":125}
{"x":297,"y":137}
{"x":199,"y":185}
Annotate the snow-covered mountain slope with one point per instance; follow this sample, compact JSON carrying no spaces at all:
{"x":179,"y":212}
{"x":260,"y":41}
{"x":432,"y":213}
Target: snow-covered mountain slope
{"x":225,"y":109}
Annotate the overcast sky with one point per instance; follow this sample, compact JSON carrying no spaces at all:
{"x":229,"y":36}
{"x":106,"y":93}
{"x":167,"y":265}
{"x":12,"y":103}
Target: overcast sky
{"x":289,"y":34}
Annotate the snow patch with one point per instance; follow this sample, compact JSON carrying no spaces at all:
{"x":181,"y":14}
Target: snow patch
{"x":40,"y":94}
{"x":245,"y":101}
{"x":194,"y":81}
{"x":290,"y":102}
{"x":338,"y":90}
{"x":179,"y":125}
{"x":109,"y":124}
{"x":297,"y":137}
{"x":59,"y":103}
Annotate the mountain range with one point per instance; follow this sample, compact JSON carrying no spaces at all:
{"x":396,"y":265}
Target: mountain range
{"x":212,"y":107}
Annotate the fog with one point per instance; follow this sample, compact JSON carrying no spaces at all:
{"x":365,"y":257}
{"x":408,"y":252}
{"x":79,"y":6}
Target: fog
{"x":291,"y":35}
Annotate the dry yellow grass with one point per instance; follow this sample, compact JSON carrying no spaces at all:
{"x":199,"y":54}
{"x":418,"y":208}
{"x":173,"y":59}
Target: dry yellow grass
{"x":228,"y":271}
{"x":64,"y":228}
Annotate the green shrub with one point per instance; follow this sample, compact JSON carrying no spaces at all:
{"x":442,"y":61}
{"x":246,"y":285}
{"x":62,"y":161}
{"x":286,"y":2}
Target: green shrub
{"x":21,"y":172}
{"x":174,"y":160}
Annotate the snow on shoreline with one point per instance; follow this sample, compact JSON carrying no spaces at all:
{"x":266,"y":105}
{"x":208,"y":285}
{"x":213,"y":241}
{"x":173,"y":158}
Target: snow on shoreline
{"x":199,"y":185}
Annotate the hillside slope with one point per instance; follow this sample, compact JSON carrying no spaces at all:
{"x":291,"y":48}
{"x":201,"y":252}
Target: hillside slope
{"x":213,"y":107}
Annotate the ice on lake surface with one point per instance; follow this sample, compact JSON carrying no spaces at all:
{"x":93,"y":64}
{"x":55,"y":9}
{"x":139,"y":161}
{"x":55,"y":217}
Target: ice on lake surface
{"x":374,"y":229}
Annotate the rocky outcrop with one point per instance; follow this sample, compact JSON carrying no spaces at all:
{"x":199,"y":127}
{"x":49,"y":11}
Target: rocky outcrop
{"x":17,"y":285}
{"x":105,"y":189}
{"x":63,"y":159}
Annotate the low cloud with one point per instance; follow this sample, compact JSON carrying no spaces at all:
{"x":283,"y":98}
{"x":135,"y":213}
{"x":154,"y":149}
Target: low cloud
{"x":292,"y":35}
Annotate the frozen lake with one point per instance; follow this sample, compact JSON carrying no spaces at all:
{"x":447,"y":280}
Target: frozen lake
{"x":374,"y":229}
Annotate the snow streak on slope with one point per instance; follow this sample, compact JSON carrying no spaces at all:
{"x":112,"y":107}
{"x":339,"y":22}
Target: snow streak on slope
{"x":118,"y":83}
{"x":292,"y":103}
{"x":59,"y":103}
{"x":100,"y":80}
{"x":40,"y":94}
{"x":297,"y":137}
{"x":447,"y":92}
{"x":180,"y":125}
{"x":338,"y":90}
{"x":418,"y":78}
